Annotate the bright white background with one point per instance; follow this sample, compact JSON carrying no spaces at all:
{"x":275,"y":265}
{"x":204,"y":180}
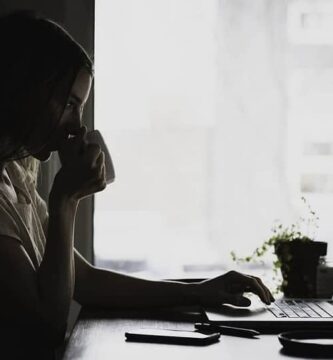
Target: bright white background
{"x":218,"y":116}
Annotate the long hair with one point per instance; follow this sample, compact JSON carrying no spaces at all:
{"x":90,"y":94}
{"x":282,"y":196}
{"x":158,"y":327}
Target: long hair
{"x":39,"y":62}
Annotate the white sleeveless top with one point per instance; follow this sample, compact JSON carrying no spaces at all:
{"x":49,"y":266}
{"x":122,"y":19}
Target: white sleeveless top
{"x":27,"y":220}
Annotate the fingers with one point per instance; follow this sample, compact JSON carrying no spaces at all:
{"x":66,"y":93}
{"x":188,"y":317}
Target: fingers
{"x":255,"y":286}
{"x":100,"y":159}
{"x":239,"y":283}
{"x":76,"y":143}
{"x":100,"y":177}
{"x":100,"y":185}
{"x":268,"y":293}
{"x":229,"y":288}
{"x":100,"y":165}
{"x":92,"y":153}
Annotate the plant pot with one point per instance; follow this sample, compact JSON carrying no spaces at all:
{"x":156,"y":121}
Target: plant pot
{"x":299,"y":260}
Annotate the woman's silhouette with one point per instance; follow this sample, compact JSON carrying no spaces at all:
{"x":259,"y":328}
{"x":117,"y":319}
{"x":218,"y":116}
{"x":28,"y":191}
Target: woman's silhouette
{"x":45,"y":82}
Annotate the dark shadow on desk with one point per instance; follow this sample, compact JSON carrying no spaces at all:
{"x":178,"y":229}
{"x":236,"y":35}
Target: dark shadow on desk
{"x":305,"y":354}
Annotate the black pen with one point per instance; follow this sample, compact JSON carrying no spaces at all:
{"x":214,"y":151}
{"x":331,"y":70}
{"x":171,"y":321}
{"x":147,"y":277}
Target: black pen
{"x":227,"y":330}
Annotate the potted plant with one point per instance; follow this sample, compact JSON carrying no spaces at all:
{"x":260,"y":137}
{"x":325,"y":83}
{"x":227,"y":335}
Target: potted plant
{"x":297,"y":255}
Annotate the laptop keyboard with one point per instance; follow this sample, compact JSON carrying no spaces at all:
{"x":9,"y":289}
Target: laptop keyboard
{"x":302,"y":309}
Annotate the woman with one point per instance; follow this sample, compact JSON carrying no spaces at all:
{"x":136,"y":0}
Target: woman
{"x":45,"y":82}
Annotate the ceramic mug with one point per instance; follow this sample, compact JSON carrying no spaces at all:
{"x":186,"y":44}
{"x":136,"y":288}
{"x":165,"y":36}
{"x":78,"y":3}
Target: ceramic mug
{"x":95,"y":137}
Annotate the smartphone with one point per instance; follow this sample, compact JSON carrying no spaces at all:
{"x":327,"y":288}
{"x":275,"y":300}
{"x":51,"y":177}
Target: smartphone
{"x":95,"y":137}
{"x":171,"y":337}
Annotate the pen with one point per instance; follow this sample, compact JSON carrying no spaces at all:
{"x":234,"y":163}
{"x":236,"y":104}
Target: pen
{"x":227,"y":330}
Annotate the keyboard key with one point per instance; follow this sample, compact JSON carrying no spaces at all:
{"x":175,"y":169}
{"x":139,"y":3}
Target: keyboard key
{"x":299,"y":312}
{"x":325,"y":306}
{"x":289,"y":312}
{"x":319,"y":310}
{"x":277,"y":312}
{"x":297,"y":309}
{"x":307,"y":309}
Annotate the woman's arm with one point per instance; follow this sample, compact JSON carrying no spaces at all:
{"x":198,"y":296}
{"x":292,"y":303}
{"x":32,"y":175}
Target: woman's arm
{"x":103,"y":288}
{"x":82,"y":174}
{"x":109,"y":289}
{"x":55,"y":275}
{"x":34,"y":303}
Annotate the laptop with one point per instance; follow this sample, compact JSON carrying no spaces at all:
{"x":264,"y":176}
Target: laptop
{"x":282,"y":315}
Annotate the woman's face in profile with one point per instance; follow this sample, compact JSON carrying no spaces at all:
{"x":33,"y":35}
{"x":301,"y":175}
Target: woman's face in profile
{"x":71,"y":117}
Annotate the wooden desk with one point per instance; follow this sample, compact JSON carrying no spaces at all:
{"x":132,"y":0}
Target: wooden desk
{"x":100,"y":336}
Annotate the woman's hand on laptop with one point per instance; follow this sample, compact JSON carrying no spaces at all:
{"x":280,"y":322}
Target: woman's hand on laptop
{"x":230,"y":288}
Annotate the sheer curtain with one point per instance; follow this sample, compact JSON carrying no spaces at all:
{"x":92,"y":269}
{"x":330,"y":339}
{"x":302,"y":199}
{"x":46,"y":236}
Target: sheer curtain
{"x":193,"y":98}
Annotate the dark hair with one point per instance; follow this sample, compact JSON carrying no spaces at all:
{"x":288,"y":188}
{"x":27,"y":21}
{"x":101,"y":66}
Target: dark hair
{"x":39,"y":62}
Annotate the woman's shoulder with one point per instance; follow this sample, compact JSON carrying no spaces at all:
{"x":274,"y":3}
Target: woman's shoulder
{"x":19,"y":178}
{"x":17,"y":171}
{"x":17,"y":174}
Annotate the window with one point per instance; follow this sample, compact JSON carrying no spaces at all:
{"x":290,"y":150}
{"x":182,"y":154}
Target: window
{"x":310,"y":109}
{"x":204,"y":105}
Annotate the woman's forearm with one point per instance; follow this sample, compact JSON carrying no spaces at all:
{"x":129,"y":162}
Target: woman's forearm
{"x":56,"y":272}
{"x":104,"y":288}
